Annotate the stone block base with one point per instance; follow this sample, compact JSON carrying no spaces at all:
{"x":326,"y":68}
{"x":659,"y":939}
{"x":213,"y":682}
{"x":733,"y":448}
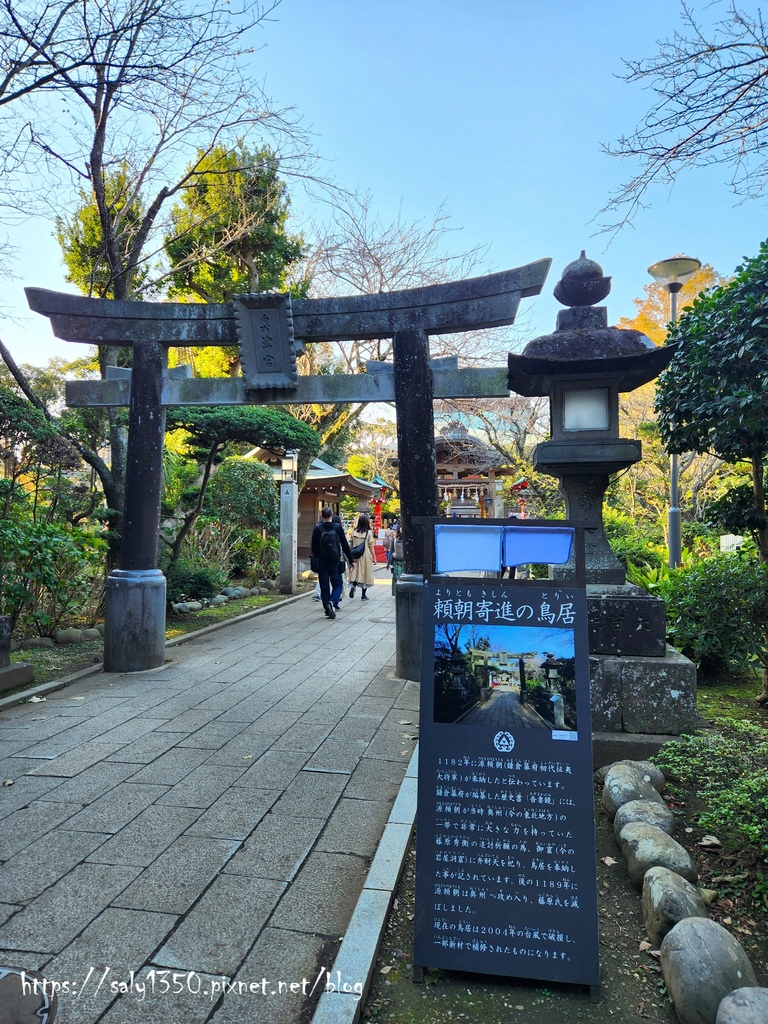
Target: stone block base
{"x":608,"y":747}
{"x":16,"y":674}
{"x":134,"y":623}
{"x":655,"y":696}
{"x":409,"y":596}
{"x":625,"y":620}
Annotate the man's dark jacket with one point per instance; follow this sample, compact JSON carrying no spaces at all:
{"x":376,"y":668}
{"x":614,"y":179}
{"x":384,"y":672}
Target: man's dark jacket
{"x":316,"y":543}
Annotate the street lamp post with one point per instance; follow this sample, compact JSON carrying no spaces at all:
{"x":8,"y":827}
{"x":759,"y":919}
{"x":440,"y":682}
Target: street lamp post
{"x":672,"y":275}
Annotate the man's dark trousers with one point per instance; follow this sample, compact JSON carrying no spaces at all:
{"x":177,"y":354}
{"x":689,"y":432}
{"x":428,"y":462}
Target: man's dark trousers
{"x":331,"y":585}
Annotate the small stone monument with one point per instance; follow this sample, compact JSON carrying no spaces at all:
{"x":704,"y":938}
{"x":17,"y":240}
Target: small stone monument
{"x":18,"y":673}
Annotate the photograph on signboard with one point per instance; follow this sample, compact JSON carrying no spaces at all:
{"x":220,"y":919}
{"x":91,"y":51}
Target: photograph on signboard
{"x":506,"y":676}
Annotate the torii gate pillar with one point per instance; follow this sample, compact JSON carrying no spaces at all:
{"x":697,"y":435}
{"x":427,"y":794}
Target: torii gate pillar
{"x":134,"y":620}
{"x":418,"y":487}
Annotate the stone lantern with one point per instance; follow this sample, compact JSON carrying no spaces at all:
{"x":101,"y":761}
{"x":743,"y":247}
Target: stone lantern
{"x":583,"y":367}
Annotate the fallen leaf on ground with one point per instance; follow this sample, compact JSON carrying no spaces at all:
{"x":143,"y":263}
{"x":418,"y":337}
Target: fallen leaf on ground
{"x":385,"y":970}
{"x":645,"y":944}
{"x":709,"y":841}
{"x":707,"y":894}
{"x":610,"y":861}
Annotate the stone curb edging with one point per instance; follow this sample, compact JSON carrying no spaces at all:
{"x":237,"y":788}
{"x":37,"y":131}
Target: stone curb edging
{"x":706,"y":971}
{"x":58,"y":684}
{"x":356,"y":959}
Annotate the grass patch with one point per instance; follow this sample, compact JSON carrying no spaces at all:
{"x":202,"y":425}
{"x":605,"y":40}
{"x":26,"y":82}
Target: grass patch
{"x":61,"y":660}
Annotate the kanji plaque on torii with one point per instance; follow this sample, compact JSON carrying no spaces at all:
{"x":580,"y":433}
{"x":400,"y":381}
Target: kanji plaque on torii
{"x":135,"y":609}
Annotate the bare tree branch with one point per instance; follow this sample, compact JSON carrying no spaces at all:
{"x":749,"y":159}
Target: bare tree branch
{"x":711,"y":107}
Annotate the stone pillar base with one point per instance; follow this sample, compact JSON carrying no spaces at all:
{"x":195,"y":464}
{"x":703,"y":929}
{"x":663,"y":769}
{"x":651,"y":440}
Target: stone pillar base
{"x":643,"y":695}
{"x":134,"y":623}
{"x":18,"y":673}
{"x":409,"y":594}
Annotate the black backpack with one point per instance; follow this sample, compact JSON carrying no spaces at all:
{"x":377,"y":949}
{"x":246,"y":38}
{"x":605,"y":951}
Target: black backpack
{"x":330,"y":547}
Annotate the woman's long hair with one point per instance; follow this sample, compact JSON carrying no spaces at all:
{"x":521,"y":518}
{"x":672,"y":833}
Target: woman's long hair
{"x":363,"y":523}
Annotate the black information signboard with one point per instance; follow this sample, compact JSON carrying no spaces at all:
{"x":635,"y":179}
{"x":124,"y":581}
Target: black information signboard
{"x":505,"y":873}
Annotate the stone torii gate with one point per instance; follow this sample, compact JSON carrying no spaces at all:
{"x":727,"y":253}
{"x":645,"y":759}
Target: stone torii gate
{"x":270,"y":330}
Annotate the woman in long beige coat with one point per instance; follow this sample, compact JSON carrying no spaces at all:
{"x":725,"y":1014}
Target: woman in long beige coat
{"x":361,"y":574}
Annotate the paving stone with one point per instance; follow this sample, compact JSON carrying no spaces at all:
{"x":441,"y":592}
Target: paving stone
{"x":218,"y":932}
{"x":55,"y":917}
{"x":45,"y":727}
{"x":337,"y":754}
{"x":235,"y":814}
{"x":171,"y":767}
{"x":145,"y":838}
{"x":355,"y":826}
{"x":75,"y":761}
{"x":10,"y":747}
{"x":390,"y":745}
{"x":84,"y":732}
{"x":145,"y":749}
{"x":279,"y":956}
{"x":30,"y":823}
{"x":132,"y":730}
{"x":40,"y":865}
{"x":323,"y":895}
{"x":153,"y":1000}
{"x":375,"y":780}
{"x":6,"y":910}
{"x":385,"y":684}
{"x":213,"y":735}
{"x":25,"y":789}
{"x":368,"y":705}
{"x":274,"y":770}
{"x":243,"y":749}
{"x":409,"y":696}
{"x":27,"y":960}
{"x":311,"y":794}
{"x":94,"y":703}
{"x":304,"y":735}
{"x":115,"y":809}
{"x":357,"y":957}
{"x":277,"y":848}
{"x":189,"y":720}
{"x":112,"y":946}
{"x":177,"y":878}
{"x":91,"y":784}
{"x":203,"y":786}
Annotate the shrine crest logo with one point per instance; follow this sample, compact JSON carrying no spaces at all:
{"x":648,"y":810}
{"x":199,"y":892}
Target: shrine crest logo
{"x":504,"y":742}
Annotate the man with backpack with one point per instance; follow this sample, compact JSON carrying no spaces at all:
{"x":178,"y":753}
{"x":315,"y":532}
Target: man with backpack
{"x":328,"y":543}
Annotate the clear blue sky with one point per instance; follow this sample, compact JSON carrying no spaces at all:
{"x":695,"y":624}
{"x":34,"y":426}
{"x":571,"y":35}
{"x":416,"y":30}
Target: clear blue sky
{"x":496,"y":108}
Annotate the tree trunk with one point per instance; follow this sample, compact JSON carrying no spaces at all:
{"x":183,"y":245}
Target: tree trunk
{"x":758,"y":489}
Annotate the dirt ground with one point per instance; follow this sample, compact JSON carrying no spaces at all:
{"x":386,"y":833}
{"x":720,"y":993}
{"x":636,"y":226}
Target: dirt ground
{"x":632,"y":986}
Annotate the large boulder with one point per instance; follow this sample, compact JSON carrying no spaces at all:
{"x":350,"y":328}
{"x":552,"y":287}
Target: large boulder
{"x":648,"y":811}
{"x":625,"y":782}
{"x":702,"y":963}
{"x":645,"y":846}
{"x":744,"y":1006}
{"x":667,"y":900}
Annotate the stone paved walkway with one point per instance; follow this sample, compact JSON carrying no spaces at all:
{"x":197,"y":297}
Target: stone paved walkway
{"x":210,"y":820}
